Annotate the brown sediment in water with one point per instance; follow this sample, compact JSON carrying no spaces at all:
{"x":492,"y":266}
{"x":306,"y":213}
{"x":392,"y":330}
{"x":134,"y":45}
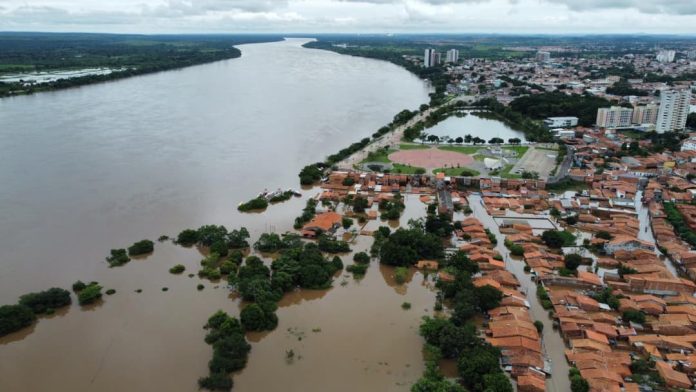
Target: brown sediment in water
{"x":154,"y":340}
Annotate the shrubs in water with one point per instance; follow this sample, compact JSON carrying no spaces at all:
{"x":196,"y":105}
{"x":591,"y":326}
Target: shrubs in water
{"x":406,"y":306}
{"x":391,"y":209}
{"x":259,"y":203}
{"x":259,"y":317}
{"x":177,"y":269}
{"x":361,"y":258}
{"x":200,"y":287}
{"x":331,"y":245}
{"x":118,"y":257}
{"x":230,"y":351}
{"x":281,"y":197}
{"x":227,"y":267}
{"x":307,"y":266}
{"x":405,"y":247}
{"x":515,"y":249}
{"x":346,"y":222}
{"x":15,"y":317}
{"x":141,"y":247}
{"x":310,"y":174}
{"x":89,"y":294}
{"x":272,"y":242}
{"x":337,"y":263}
{"x":78,"y":286}
{"x":187,"y":237}
{"x":307,"y":214}
{"x":539,"y":326}
{"x":217,"y":238}
{"x":110,"y":292}
{"x":46,"y":301}
{"x":358,"y":270}
{"x":400,"y":274}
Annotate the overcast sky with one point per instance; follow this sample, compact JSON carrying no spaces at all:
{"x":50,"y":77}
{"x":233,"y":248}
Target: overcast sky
{"x":373,"y":16}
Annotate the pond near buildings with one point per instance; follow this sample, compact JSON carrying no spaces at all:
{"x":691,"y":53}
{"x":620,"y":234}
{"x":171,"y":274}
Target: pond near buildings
{"x":474,"y":125}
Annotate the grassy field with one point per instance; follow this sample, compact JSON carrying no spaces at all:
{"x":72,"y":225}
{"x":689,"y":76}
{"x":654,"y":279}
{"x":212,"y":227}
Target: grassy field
{"x":378,"y":156}
{"x":405,"y":146}
{"x":462,"y":149}
{"x":520,"y":150}
{"x":406,"y":169}
{"x":458,"y":171}
{"x":505,"y":172}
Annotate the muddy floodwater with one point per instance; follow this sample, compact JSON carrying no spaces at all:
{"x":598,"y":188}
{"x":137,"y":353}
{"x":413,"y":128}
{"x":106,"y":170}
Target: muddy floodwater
{"x":99,"y":167}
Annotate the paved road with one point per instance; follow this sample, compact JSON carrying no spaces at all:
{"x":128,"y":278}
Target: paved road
{"x":565,"y":166}
{"x":390,"y":139}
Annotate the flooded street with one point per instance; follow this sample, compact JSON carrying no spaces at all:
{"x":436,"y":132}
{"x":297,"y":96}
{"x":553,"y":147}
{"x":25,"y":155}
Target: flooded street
{"x":90,"y":169}
{"x":552,"y":342}
{"x":645,"y":232}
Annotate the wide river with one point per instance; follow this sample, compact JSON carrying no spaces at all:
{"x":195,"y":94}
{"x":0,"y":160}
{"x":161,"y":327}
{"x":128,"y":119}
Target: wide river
{"x":89,"y":169}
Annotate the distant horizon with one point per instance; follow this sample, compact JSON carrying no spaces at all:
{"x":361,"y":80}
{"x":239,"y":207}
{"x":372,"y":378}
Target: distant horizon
{"x":296,"y":34}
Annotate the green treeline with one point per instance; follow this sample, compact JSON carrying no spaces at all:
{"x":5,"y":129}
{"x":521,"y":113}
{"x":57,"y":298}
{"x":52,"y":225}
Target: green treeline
{"x":540,"y":106}
{"x":681,"y":228}
{"x":230,"y":351}
{"x":21,"y":315}
{"x":131,"y":54}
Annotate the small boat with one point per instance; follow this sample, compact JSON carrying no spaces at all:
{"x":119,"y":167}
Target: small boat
{"x":294,"y":192}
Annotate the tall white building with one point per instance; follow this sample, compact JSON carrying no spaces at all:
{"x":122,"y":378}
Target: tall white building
{"x":543,"y":57}
{"x":428,"y":57}
{"x":666,"y":56}
{"x":452,"y":56}
{"x":614,"y":117}
{"x":431,"y":58}
{"x":645,"y":114}
{"x":674,"y":108}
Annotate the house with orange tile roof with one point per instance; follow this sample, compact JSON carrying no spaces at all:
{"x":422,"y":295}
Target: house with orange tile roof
{"x":325,"y":222}
{"x":673,"y":378}
{"x":627,"y":243}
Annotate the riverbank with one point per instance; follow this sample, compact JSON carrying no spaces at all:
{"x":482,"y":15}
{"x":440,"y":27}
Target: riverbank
{"x":25,"y":67}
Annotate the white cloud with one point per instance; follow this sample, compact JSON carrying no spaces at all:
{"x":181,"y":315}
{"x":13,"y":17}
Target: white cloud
{"x":494,"y":16}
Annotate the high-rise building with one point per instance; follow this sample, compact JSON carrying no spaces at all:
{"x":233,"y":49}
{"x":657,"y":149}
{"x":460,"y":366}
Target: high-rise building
{"x":543,"y":57}
{"x":614,"y":117}
{"x":427,"y":58}
{"x":431,"y":58}
{"x":674,"y":108}
{"x":666,"y":56}
{"x":645,"y":114}
{"x":452,"y":56}
{"x":691,"y":54}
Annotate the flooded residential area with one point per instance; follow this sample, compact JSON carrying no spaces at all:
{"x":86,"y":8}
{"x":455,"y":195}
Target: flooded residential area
{"x":344,"y":212}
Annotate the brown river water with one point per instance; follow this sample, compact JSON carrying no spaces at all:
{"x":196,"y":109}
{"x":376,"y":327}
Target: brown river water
{"x":89,"y":169}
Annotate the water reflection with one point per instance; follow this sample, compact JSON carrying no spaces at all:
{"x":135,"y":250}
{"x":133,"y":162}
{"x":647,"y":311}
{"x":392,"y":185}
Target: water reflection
{"x":476,"y":127}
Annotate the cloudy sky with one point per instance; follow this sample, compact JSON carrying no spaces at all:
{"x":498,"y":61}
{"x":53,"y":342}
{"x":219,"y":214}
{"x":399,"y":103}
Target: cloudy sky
{"x":378,"y":16}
